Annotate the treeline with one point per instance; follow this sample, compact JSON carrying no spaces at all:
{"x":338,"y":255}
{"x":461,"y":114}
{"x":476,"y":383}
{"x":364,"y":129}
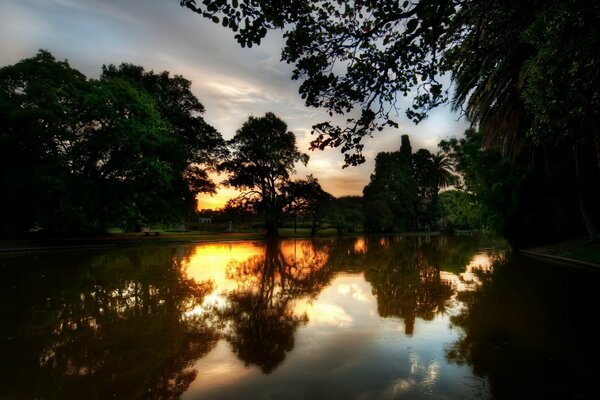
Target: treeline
{"x":530,"y":199}
{"x":131,"y":149}
{"x":81,"y":155}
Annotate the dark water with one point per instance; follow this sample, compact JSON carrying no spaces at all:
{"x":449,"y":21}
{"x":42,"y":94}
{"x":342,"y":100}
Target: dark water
{"x":356,"y":318}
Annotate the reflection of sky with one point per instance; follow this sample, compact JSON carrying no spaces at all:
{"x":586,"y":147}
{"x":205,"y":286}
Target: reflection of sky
{"x":468,"y":279}
{"x":344,"y":351}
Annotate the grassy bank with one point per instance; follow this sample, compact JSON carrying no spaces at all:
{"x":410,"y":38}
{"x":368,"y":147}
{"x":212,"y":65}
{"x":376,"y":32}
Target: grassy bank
{"x":579,"y":249}
{"x":163,"y":237}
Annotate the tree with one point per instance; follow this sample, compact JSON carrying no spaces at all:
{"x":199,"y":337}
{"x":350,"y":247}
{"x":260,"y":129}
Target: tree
{"x":264,"y":154}
{"x":393,"y":184}
{"x":124,"y":157}
{"x":530,"y":200}
{"x":459,"y":210}
{"x":346,"y":213}
{"x":386,"y":48}
{"x":306,"y":196}
{"x":198,"y":147}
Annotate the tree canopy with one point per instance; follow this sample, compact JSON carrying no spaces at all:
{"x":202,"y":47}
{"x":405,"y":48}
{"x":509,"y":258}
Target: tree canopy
{"x":521,"y":69}
{"x":81,"y":155}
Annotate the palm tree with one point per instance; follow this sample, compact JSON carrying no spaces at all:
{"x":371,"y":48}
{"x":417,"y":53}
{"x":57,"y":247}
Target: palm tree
{"x":442,"y":170}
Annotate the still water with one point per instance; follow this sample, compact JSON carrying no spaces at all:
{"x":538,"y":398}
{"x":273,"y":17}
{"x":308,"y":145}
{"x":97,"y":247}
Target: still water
{"x":353,"y":318}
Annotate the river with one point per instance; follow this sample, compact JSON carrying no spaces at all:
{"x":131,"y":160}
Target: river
{"x":440,"y":317}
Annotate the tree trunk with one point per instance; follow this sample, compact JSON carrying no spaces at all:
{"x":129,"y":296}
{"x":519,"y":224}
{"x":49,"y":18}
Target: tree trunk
{"x":271,"y":223}
{"x":583,"y":192}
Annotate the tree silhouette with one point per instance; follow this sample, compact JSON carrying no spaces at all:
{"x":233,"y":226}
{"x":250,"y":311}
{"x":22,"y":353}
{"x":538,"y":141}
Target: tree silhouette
{"x":197,"y":146}
{"x":263,"y":321}
{"x":393,"y":184}
{"x":263,"y":155}
{"x":310,"y":199}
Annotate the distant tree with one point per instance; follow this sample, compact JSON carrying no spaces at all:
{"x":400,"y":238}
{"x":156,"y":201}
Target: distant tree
{"x":378,"y":216}
{"x":458,"y":209}
{"x":307,"y":197}
{"x":392,"y":183}
{"x":346,"y":213}
{"x":432,"y":173}
{"x":263,"y":155}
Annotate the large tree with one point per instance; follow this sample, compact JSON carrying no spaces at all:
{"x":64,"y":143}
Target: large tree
{"x":197,"y":146}
{"x":263,"y":155}
{"x":391,"y":191}
{"x":40,"y":104}
{"x":79,"y":155}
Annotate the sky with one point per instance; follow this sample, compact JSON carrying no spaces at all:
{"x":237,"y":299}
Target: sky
{"x":230,"y":81}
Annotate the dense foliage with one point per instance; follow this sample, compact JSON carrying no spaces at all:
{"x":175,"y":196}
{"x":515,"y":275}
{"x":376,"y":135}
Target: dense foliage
{"x":81,"y":155}
{"x":403,"y":193}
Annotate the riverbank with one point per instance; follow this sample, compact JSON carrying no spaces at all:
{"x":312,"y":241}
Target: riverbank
{"x":578,"y":251}
{"x":141,"y":239}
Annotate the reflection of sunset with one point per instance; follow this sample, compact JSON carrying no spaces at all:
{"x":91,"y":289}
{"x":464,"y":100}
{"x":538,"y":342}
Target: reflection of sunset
{"x":468,"y":279}
{"x":210,"y":260}
{"x":360,"y":247}
{"x":305,"y":257}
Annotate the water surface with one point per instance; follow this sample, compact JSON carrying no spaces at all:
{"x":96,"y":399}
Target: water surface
{"x":353,"y":318}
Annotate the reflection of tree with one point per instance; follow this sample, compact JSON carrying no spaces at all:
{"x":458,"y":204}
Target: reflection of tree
{"x":114,"y":325}
{"x":260,"y":310}
{"x":530,"y":330}
{"x":405,"y":283}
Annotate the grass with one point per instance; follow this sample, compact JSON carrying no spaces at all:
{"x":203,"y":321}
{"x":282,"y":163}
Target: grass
{"x":119,"y":238}
{"x":580,"y":249}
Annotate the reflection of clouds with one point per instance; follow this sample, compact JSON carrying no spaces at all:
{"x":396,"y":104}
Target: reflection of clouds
{"x":218,"y":369}
{"x":427,"y":372}
{"x":329,"y":314}
{"x":400,"y":386}
{"x":422,"y":376}
{"x":360,"y":294}
{"x":468,"y":280}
